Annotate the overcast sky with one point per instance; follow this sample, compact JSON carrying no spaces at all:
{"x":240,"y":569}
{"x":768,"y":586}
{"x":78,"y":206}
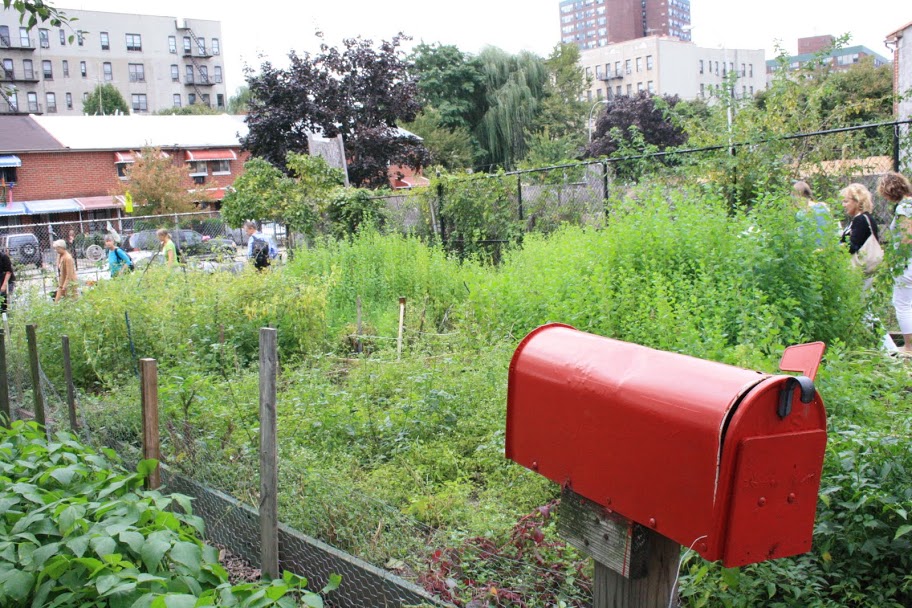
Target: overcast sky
{"x":272,"y":28}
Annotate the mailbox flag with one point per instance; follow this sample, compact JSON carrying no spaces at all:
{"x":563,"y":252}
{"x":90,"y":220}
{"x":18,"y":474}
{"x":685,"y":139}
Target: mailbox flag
{"x":128,"y":202}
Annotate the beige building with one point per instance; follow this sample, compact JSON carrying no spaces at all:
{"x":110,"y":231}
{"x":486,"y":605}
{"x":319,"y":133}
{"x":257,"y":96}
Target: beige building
{"x":155,"y":62}
{"x":667,"y":66}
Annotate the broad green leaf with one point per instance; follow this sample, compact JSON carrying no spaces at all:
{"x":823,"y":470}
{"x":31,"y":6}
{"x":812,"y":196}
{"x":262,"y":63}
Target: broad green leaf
{"x":107,"y":582}
{"x":313,"y":600}
{"x":69,"y":517}
{"x":43,"y":553}
{"x":132,"y":539}
{"x":334,"y":581}
{"x":152,"y":552}
{"x":64,"y":475}
{"x":178,"y":600}
{"x":146,"y":467}
{"x":902,"y":531}
{"x":731,"y":576}
{"x":42,"y":594}
{"x":17,"y":584}
{"x":103,"y":545}
{"x":56,"y":566}
{"x":276,"y":590}
{"x":188,"y":554}
{"x":79,"y":545}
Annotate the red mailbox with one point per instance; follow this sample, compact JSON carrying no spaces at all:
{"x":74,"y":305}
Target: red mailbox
{"x":714,"y":457}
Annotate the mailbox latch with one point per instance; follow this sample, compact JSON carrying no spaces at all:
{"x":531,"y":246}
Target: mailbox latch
{"x":785,"y":395}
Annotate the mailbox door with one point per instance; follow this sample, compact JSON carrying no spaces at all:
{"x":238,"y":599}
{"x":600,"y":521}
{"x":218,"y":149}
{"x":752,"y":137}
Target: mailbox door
{"x":771,"y":467}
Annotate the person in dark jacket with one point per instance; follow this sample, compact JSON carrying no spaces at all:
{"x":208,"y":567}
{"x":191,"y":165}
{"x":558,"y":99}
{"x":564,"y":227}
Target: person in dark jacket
{"x":858,"y":205}
{"x":7,"y":281}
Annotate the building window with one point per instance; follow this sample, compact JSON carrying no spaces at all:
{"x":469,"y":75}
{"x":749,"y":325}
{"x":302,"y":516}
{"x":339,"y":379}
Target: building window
{"x":598,"y":72}
{"x":218,"y":73}
{"x":175,"y":74}
{"x":83,"y":70}
{"x":201,"y":45}
{"x":33,"y":103}
{"x":221,"y":167}
{"x":752,"y":90}
{"x":187,"y":47}
{"x":589,"y":95}
{"x":599,"y":93}
{"x":172,"y":44}
{"x":108,"y":71}
{"x":51,"y":103}
{"x":639,"y":64}
{"x":629,"y":90}
{"x":69,"y":101}
{"x":137,"y":72}
{"x":28,"y":70}
{"x":639,"y":87}
{"x":139,"y":102}
{"x":24,"y":39}
{"x":85,"y":96}
{"x":650,"y":86}
{"x":66,"y":68}
{"x":9,"y":73}
{"x":191,"y":99}
{"x":14,"y":106}
{"x":204,"y":74}
{"x":44,"y":37}
{"x":188,"y":71}
{"x":731,"y":66}
{"x":62,"y":37}
{"x":204,"y":98}
{"x":701,"y":66}
{"x":105,"y":41}
{"x":216,"y":47}
{"x":743,"y":70}
{"x":717,"y":68}
{"x":220,"y":100}
{"x":80,"y":38}
{"x":176,"y":100}
{"x":198,"y":167}
{"x":617,"y":91}
{"x":649,"y":63}
{"x":134,"y":42}
{"x":702,"y":91}
{"x":724,"y":70}
{"x":627,"y":66}
{"x":4,"y":35}
{"x":744,"y":90}
{"x":47,"y":70}
{"x":750,"y":70}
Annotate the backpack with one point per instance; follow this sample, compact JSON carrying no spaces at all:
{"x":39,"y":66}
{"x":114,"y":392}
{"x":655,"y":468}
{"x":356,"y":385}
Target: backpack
{"x":123,"y":255}
{"x":260,"y":253}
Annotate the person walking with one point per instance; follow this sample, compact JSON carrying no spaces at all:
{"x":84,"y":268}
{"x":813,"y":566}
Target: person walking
{"x":118,"y":260}
{"x":259,"y":249}
{"x":809,"y":209}
{"x":896,"y":188}
{"x":168,"y":248}
{"x":7,"y":281}
{"x":858,"y":205}
{"x":67,"y":286}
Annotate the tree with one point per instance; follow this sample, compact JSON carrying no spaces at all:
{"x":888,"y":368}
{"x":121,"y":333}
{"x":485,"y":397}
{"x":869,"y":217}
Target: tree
{"x":643,"y":113}
{"x":562,"y":112}
{"x":237,"y":103}
{"x":452,"y":82}
{"x":359,"y":92}
{"x":106,"y":100}
{"x":157,"y":185}
{"x":196,"y":109}
{"x":265,"y":193}
{"x":34,"y":12}
{"x":514,"y":87}
{"x":449,"y":147}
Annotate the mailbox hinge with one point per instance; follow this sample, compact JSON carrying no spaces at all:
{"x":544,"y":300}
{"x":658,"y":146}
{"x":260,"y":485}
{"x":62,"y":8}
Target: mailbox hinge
{"x":785,"y":395}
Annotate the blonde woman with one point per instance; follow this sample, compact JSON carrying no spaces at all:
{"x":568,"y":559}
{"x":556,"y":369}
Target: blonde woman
{"x":66,"y":271}
{"x":858,"y":205}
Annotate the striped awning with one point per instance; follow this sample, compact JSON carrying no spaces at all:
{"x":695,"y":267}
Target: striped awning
{"x":59,"y":205}
{"x":10,"y":160}
{"x":202,"y":155}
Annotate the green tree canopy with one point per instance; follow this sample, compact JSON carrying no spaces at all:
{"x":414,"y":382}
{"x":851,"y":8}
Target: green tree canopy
{"x":106,"y":100}
{"x":450,"y":147}
{"x":195,"y":109}
{"x":157,"y":185}
{"x":452,"y":82}
{"x":237,"y":103}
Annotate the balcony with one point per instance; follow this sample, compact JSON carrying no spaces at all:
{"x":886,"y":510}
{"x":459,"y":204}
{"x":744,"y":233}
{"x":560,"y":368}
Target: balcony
{"x":20,"y":108}
{"x":200,"y":54}
{"x":25,"y":44}
{"x":10,"y":76}
{"x":199,"y":81}
{"x":611,"y":76}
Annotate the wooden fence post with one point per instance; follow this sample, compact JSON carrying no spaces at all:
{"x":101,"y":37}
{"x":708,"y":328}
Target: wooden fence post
{"x":6,"y":416}
{"x":635,"y":567}
{"x":37,"y":393}
{"x":359,"y":348}
{"x":269,"y":472}
{"x":401,"y":327}
{"x":68,"y":375}
{"x":148,"y":378}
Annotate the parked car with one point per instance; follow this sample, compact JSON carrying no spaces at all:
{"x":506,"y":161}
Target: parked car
{"x":22,"y":248}
{"x":189,"y":242}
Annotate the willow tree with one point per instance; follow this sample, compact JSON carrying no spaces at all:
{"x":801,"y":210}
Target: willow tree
{"x":514,"y":88}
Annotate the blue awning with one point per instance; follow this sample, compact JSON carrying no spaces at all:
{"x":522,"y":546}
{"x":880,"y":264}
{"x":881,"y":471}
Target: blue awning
{"x":12,"y":209}
{"x":60,"y":205}
{"x":10,"y":160}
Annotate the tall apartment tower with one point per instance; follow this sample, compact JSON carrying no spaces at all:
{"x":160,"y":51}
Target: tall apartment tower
{"x":593,"y":23}
{"x":155,"y":62}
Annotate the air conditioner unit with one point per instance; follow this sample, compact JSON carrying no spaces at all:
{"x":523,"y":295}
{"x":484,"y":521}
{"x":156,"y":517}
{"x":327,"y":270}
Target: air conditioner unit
{"x":181,"y":24}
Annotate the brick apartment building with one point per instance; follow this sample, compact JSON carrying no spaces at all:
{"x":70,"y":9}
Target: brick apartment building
{"x":67,"y":169}
{"x":596,"y":23}
{"x":155,"y":62}
{"x":901,"y":43}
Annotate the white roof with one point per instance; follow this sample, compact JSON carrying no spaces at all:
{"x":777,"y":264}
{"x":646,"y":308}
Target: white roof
{"x":133,"y":132}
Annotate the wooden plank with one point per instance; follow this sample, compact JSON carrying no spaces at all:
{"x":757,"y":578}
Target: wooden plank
{"x":37,"y":392}
{"x":607,"y":537}
{"x":148,"y":378}
{"x":70,"y":388}
{"x":5,"y":413}
{"x":655,"y":590}
{"x":269,"y":472}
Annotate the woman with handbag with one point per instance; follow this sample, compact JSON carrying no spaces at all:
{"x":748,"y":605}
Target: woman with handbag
{"x":897,"y":189}
{"x":861,"y":233}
